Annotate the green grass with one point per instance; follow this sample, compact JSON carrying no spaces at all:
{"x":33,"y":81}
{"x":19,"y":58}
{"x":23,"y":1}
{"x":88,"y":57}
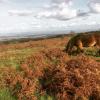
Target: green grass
{"x":46,"y":97}
{"x":5,"y":95}
{"x":92,"y":52}
{"x":12,"y":58}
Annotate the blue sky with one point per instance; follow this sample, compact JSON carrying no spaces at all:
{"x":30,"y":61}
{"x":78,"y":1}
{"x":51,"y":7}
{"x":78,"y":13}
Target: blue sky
{"x":38,"y":16}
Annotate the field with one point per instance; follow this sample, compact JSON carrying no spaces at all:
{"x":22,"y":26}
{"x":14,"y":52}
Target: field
{"x":42,"y":70}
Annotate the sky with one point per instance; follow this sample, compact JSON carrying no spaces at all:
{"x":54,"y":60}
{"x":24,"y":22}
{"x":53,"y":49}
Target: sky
{"x":48,"y":16}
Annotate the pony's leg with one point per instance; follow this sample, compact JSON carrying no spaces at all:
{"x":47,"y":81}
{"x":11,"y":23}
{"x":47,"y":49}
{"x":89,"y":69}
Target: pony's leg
{"x":80,"y":46}
{"x":70,"y":51}
{"x":97,"y":46}
{"x":92,"y":42}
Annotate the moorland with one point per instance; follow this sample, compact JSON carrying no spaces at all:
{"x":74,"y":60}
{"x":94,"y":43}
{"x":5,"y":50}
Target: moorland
{"x":40,"y":69}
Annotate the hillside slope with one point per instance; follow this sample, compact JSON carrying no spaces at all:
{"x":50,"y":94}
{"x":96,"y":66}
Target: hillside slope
{"x":41,"y":70}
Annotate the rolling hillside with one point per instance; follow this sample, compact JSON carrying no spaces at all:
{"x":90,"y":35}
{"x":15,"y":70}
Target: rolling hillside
{"x":41,"y":70}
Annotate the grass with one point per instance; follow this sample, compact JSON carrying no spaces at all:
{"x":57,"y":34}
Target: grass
{"x":12,"y":58}
{"x":44,"y":97}
{"x":6,"y":95}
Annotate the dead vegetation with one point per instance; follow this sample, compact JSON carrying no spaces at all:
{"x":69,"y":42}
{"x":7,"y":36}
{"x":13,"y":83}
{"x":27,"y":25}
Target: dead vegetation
{"x":51,"y":71}
{"x":75,"y":79}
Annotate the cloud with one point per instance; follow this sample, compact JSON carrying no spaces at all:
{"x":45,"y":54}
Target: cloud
{"x":69,"y":2}
{"x":59,"y":9}
{"x":94,"y":6}
{"x":20,"y":12}
{"x":82,"y":13}
{"x":4,"y":1}
{"x":67,"y":13}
